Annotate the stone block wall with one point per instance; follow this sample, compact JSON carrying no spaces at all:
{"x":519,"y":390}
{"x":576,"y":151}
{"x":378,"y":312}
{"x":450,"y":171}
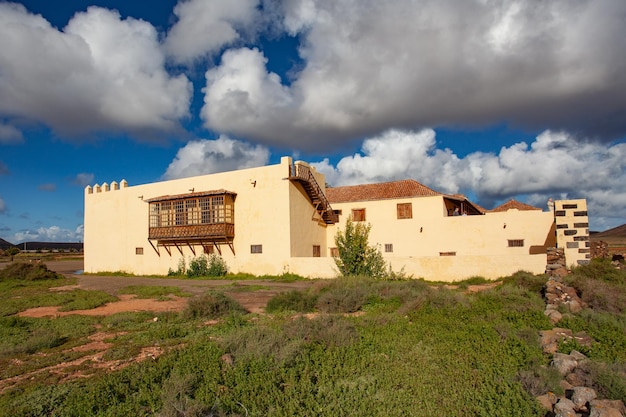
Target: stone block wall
{"x":572,"y":230}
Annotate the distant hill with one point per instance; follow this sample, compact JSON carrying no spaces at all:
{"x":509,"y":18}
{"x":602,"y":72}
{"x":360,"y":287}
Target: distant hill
{"x":5,"y":245}
{"x":616,"y":232}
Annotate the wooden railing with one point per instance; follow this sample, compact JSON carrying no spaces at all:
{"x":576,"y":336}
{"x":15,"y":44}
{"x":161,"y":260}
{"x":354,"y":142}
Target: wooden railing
{"x":302,"y":174}
{"x":215,"y":231}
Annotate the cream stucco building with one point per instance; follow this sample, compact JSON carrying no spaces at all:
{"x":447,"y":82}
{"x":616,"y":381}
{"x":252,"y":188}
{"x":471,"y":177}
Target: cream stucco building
{"x":281,"y":218}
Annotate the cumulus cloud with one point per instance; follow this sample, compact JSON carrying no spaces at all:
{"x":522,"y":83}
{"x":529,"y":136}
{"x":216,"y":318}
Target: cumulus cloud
{"x":100,"y":73}
{"x":240,"y":95}
{"x":205,"y":27}
{"x":406,"y":64}
{"x":554,"y":165}
{"x":50,"y":234}
{"x":9,"y":134}
{"x":83,"y":179}
{"x":49,"y":187}
{"x":209,"y":156}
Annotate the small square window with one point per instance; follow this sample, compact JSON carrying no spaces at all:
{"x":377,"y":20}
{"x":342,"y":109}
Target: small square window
{"x":516,"y":243}
{"x":317,"y":251}
{"x":256,"y":248}
{"x":334,"y":252}
{"x":405,"y":210}
{"x":138,"y":251}
{"x":388,"y":247}
{"x":358,"y":215}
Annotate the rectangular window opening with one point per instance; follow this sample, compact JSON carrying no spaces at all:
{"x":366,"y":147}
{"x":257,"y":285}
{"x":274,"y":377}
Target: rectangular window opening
{"x":317,"y":252}
{"x":256,"y":248}
{"x":334,"y":252}
{"x":447,"y":253}
{"x":388,"y":247}
{"x":138,"y":251}
{"x":358,"y":215}
{"x":405,"y":210}
{"x":516,"y":243}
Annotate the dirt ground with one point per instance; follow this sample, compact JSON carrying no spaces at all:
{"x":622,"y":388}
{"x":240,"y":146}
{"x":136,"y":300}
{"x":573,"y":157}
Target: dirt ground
{"x":254,"y":300}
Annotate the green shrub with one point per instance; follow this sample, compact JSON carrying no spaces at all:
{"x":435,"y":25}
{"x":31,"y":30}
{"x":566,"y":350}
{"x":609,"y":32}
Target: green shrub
{"x":28,"y":272}
{"x":345,"y":295}
{"x":329,"y":331}
{"x":531,"y":282}
{"x":540,"y":379}
{"x":217,"y":266}
{"x":600,"y":295}
{"x":600,"y":269}
{"x":198,"y":267}
{"x":207,"y":266}
{"x":180,"y":271}
{"x":294,"y":300}
{"x":262,"y":342}
{"x":356,"y":256}
{"x":212,"y":305}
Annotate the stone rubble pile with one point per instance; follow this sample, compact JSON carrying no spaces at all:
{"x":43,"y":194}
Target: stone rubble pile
{"x":579,"y":400}
{"x":556,"y":266}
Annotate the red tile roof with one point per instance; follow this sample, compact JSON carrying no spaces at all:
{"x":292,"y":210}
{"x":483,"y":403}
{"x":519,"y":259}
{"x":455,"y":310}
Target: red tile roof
{"x":379,"y":191}
{"x":513,"y":204}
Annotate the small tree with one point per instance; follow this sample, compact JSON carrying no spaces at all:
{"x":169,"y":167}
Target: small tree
{"x":12,"y":251}
{"x":356,"y":256}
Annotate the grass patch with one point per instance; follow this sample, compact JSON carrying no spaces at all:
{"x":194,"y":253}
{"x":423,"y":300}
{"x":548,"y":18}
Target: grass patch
{"x":161,"y":293}
{"x":28,"y":272}
{"x":212,"y":305}
{"x":415,"y":350}
{"x":294,"y":300}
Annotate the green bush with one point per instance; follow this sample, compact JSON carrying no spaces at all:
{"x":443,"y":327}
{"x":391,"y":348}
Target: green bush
{"x":294,"y":300}
{"x":345,"y":295}
{"x":28,"y":272}
{"x":180,"y":271}
{"x":356,"y":256}
{"x":212,"y":305}
{"x":531,"y":282}
{"x":198,"y":267}
{"x":600,"y":269}
{"x":207,"y":266}
{"x":600,"y":295}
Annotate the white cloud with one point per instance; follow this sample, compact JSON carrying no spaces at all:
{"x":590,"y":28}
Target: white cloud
{"x":205,"y":27}
{"x":554,"y":165}
{"x":209,"y":156}
{"x":83,"y":179}
{"x":100,"y":72}
{"x":50,"y":234}
{"x":9,"y":134}
{"x":241,"y":96}
{"x":405,"y":64}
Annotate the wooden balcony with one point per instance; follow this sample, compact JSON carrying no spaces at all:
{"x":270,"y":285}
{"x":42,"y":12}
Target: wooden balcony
{"x":199,"y":232}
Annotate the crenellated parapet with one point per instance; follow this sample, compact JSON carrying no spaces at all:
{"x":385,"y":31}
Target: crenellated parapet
{"x":106,"y":187}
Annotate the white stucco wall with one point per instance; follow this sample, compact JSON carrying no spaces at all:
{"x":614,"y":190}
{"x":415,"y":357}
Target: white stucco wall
{"x":276,"y":213}
{"x":479,"y":243}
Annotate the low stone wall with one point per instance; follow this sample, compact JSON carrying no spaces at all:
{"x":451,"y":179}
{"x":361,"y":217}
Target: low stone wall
{"x":556,"y":265}
{"x":600,"y":249}
{"x":578,"y":400}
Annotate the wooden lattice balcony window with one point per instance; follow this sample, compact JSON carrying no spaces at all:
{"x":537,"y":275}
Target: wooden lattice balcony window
{"x":204,"y":215}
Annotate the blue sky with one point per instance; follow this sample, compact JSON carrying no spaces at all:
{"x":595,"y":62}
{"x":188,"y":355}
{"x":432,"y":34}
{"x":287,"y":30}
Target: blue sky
{"x":495,"y":100}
